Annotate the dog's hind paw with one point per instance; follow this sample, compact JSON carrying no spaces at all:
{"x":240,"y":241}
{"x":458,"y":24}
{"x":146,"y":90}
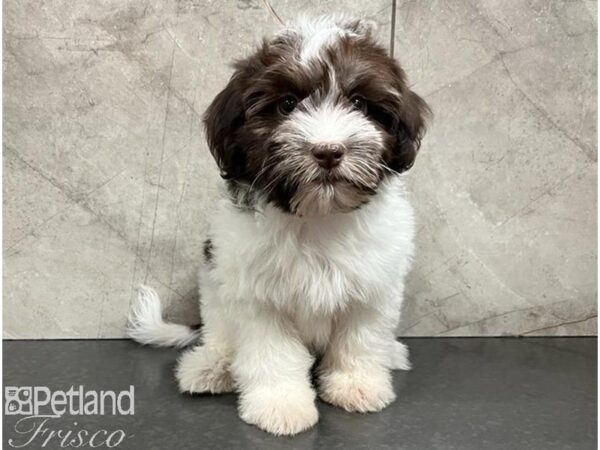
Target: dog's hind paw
{"x":203,"y":370}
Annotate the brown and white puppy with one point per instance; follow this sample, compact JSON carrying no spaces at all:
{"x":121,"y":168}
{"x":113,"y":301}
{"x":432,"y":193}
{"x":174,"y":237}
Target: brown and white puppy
{"x":308,"y":255}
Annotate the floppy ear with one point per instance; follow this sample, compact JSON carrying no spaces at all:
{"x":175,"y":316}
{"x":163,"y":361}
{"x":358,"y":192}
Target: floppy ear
{"x":413,"y":117}
{"x":222,"y":119}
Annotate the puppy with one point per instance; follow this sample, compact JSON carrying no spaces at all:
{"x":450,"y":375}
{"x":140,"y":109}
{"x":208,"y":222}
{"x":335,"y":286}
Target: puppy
{"x":307,"y":257}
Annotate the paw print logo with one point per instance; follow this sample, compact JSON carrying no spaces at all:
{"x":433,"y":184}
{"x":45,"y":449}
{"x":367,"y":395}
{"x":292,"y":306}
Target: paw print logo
{"x":18,"y":400}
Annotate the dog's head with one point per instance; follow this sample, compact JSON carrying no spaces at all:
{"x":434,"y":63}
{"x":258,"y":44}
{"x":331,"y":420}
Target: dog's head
{"x":316,"y":119}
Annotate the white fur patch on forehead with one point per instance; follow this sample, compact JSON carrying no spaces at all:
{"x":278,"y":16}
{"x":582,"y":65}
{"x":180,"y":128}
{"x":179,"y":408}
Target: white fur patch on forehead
{"x":318,"y":32}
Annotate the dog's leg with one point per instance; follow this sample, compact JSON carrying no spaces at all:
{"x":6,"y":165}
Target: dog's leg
{"x":272,"y":372}
{"x":355,"y":370}
{"x":206,"y":368}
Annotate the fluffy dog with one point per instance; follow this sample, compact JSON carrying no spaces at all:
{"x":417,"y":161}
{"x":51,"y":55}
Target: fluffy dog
{"x":307,"y":257}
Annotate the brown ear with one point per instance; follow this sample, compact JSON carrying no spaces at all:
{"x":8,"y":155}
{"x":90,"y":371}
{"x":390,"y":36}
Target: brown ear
{"x":412,"y":120}
{"x":222,"y":119}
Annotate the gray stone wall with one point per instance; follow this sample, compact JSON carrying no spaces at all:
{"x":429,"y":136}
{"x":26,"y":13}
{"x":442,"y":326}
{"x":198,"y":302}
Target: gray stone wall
{"x":108,"y":182}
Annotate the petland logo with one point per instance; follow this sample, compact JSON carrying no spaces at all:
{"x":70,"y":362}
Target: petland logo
{"x":42,"y":410}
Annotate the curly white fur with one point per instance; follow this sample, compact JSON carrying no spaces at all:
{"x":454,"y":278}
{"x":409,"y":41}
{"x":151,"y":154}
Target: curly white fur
{"x":282,"y":289}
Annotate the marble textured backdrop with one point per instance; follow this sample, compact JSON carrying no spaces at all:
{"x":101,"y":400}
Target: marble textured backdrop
{"x":108,"y":181}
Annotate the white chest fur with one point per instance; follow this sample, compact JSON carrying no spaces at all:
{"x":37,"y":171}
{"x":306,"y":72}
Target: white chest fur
{"x":314,"y":265}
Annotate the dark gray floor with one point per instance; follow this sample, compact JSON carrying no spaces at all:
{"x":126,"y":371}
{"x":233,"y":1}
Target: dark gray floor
{"x":480,"y":394}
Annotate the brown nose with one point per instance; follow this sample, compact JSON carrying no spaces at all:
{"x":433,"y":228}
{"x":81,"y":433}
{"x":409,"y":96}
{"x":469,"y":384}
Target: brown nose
{"x":328,"y":155}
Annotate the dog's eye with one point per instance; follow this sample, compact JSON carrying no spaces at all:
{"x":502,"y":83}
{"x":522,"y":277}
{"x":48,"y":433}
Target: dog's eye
{"x":287,"y":104}
{"x":359,"y":103}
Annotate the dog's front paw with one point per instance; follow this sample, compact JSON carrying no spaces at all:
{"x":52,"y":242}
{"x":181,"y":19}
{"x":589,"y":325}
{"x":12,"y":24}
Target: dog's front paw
{"x":357,"y":391}
{"x":280,"y":410}
{"x":203,"y":370}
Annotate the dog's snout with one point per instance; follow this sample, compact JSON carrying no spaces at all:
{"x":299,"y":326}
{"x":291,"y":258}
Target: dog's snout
{"x":328,"y":155}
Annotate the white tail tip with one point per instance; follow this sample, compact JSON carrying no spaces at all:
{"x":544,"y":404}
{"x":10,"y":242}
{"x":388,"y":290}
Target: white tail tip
{"x":147,"y":326}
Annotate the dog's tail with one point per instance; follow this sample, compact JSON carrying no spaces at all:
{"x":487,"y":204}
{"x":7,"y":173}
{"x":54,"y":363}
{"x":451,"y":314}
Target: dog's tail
{"x":147,"y":326}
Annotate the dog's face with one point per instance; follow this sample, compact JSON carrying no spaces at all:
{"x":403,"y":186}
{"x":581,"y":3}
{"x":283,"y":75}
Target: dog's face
{"x":316,"y":119}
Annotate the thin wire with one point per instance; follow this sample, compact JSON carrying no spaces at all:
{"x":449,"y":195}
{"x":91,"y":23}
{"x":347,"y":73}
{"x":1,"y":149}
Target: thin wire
{"x":273,"y":13}
{"x":393,"y":31}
